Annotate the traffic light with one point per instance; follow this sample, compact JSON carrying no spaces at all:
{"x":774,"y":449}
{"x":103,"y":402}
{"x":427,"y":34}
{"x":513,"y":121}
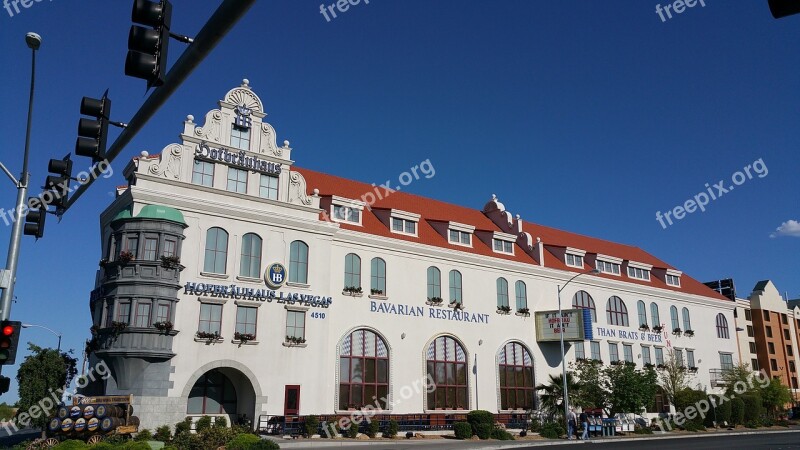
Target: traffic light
{"x":34,"y":220}
{"x":93,"y":133}
{"x":9,"y":338}
{"x":783,"y":8}
{"x":5,"y":384}
{"x":147,"y":48}
{"x":58,"y":184}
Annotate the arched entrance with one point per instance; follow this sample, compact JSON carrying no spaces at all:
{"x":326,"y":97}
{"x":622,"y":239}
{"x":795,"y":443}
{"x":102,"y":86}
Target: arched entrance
{"x":222,"y":391}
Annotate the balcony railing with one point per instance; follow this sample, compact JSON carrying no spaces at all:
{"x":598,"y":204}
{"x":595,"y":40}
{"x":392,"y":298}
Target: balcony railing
{"x":718,"y":377}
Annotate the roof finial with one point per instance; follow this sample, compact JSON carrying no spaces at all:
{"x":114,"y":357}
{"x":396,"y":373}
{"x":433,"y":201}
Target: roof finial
{"x":494,"y":197}
{"x":245,"y":83}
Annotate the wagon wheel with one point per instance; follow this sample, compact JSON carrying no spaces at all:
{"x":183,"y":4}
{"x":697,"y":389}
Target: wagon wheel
{"x":50,"y":442}
{"x":94,"y":439}
{"x":35,"y":444}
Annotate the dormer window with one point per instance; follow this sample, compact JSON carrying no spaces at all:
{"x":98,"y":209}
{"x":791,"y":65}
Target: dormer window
{"x":240,"y":137}
{"x":608,"y":264}
{"x":460,"y":234}
{"x":673,"y":278}
{"x":574,"y":257}
{"x":639,"y":271}
{"x":503,"y":243}
{"x":346,"y":210}
{"x":404,"y":222}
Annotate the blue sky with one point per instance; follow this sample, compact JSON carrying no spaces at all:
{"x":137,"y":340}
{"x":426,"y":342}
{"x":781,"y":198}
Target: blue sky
{"x":586,"y":116}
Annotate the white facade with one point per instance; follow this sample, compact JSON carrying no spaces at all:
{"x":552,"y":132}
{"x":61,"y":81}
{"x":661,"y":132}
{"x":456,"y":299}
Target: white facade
{"x":261,"y":370}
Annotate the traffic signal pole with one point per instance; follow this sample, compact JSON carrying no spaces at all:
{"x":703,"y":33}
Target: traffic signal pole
{"x":34,"y":41}
{"x":223,"y":19}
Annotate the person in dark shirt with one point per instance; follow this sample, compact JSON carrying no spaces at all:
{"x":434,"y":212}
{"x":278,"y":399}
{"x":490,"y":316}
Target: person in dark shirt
{"x":584,"y":418}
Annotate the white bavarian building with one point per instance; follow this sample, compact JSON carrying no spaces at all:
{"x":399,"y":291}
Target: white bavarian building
{"x":235,"y":283}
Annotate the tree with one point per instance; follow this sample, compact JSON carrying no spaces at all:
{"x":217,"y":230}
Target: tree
{"x":43,"y":374}
{"x":775,"y":396}
{"x":590,"y":375}
{"x":742,"y":374}
{"x":673,"y":378}
{"x":629,"y":389}
{"x":551,"y":400}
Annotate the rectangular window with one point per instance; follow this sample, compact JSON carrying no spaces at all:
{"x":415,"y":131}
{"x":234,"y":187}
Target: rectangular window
{"x":580,"y":351}
{"x":659,"y":356}
{"x":794,"y":382}
{"x":123,"y":312}
{"x":726,"y":361}
{"x":150,"y":249}
{"x":646,"y":355}
{"x":754,"y":364}
{"x":109,"y":314}
{"x":753,"y":347}
{"x":162,"y":312}
{"x":673,"y":280}
{"x":210,"y":318}
{"x":769,"y":331}
{"x":246,"y":320}
{"x":690,"y":358}
{"x":784,"y":319}
{"x":679,"y":357}
{"x":792,"y":367}
{"x":574,"y":260}
{"x":268,"y":187}
{"x":404,"y":226}
{"x":786,"y":334}
{"x":460,"y":237}
{"x":142,"y":315}
{"x":771,"y":348}
{"x":170,"y":247}
{"x":502,"y":246}
{"x":237,"y":180}
{"x":748,"y":315}
{"x":627,"y":352}
{"x":595,"y":350}
{"x":750,"y":332}
{"x":613,"y":352}
{"x":203,"y":173}
{"x":766,"y":315}
{"x":607,"y":267}
{"x":641,"y":274}
{"x":240,"y":138}
{"x":347,"y":214}
{"x":132,"y":245}
{"x":296,"y":324}
{"x":789,"y":351}
{"x":773,"y":364}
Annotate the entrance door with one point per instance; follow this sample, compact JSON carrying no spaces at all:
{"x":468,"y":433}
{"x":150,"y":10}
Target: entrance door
{"x":291,"y":404}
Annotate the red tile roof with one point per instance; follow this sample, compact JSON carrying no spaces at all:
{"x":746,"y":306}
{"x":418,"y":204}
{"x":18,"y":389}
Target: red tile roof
{"x":432,"y":210}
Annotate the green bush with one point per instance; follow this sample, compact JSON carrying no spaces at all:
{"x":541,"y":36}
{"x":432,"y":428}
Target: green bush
{"x":71,"y":444}
{"x":552,"y":430}
{"x":264,"y":444}
{"x":767,"y":422}
{"x":392,"y":429}
{"x":737,"y":411}
{"x":242,"y":442}
{"x":311,"y":425}
{"x":102,"y":446}
{"x":693,"y":425}
{"x":216,"y":436}
{"x":642,"y":430}
{"x":221,"y":422}
{"x":501,"y":434}
{"x":136,"y":445}
{"x":170,"y":447}
{"x":462,"y":430}
{"x":686,"y":398}
{"x":536,"y":425}
{"x":482,"y":423}
{"x":188,"y":441}
{"x":751,"y":424}
{"x":753,"y":407}
{"x":163,"y":433}
{"x":372,"y":428}
{"x":144,"y":435}
{"x":351,"y":431}
{"x":483,"y":430}
{"x":202,"y":424}
{"x":183,"y":427}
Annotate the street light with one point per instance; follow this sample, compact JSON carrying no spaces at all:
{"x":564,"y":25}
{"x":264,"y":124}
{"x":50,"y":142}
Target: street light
{"x":563,"y":356}
{"x":29,"y":325}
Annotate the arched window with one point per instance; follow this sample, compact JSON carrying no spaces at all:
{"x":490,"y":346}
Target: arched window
{"x":516,"y":377}
{"x":582,"y":300}
{"x":522,"y":295}
{"x":673,"y":313}
{"x":455,"y":287}
{"x":378,"y":277}
{"x":298,"y":262}
{"x":654,"y":315}
{"x":251,"y":256}
{"x":687,"y":323}
{"x":216,"y":250}
{"x":352,"y":271}
{"x":642,"y":309}
{"x":363,"y":371}
{"x":616,"y":312}
{"x":447,"y":366}
{"x":722,"y":327}
{"x":502,"y":292}
{"x":213,"y":393}
{"x":434,"y":283}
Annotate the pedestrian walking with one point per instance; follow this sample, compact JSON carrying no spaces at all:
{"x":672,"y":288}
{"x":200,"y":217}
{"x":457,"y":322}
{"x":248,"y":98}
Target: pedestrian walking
{"x":584,"y":418}
{"x":571,"y":422}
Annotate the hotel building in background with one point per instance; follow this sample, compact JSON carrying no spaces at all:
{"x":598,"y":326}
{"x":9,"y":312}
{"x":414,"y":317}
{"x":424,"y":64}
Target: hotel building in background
{"x":233,"y":282}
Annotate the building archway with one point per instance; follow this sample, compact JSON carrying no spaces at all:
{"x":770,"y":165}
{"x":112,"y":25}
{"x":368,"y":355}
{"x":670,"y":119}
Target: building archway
{"x":223,"y":388}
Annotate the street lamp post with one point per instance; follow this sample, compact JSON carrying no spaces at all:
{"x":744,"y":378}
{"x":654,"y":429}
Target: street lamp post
{"x":29,"y":325}
{"x":563,"y":355}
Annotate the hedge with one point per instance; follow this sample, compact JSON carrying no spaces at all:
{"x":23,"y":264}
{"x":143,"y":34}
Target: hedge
{"x":463,"y":430}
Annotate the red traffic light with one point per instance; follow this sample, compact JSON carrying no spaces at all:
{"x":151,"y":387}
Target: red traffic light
{"x":8,"y":330}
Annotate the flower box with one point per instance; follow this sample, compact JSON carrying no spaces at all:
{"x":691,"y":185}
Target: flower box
{"x":376,"y":291}
{"x":503,"y":309}
{"x":295,"y":340}
{"x":244,"y":337}
{"x":125,"y":257}
{"x":170,"y":262}
{"x":163,"y":326}
{"x":677,"y":331}
{"x":644,"y":327}
{"x":657,"y":329}
{"x":352,"y":290}
{"x":435,"y":301}
{"x":689,"y":333}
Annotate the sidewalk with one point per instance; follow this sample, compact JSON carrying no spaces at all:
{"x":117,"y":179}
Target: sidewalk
{"x":448,"y":444}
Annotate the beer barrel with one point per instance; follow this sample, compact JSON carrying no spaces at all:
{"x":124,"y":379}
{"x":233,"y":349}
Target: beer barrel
{"x":133,"y":420}
{"x":88,"y":411}
{"x":66,"y":425}
{"x":75,"y":412}
{"x":80,"y":425}
{"x":129,"y":407}
{"x":63,"y":412}
{"x":92,"y":424}
{"x":54,"y":424}
{"x":108,"y":424}
{"x":102,"y":411}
